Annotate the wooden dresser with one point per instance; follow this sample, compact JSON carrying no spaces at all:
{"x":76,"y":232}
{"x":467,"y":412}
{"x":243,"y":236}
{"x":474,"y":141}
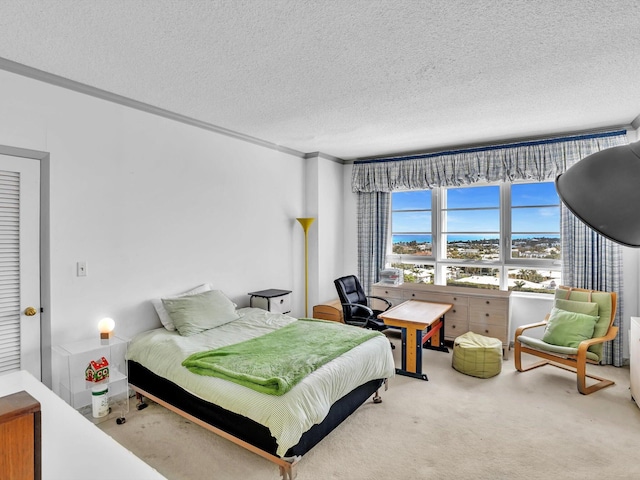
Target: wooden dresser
{"x":482,"y":311}
{"x":20,"y":437}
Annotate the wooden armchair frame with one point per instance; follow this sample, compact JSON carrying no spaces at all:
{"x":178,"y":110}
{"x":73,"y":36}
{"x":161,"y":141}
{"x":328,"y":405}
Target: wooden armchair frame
{"x":574,"y":363}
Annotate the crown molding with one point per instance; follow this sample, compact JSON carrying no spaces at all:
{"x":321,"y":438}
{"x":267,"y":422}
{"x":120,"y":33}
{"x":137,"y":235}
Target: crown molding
{"x":41,"y":75}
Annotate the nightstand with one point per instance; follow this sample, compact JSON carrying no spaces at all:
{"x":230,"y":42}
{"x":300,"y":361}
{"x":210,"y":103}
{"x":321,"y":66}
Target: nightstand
{"x":273,"y":300}
{"x":70,"y":362}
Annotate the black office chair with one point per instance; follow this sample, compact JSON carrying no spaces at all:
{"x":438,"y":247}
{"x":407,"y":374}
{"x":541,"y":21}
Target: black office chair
{"x":355,"y":305}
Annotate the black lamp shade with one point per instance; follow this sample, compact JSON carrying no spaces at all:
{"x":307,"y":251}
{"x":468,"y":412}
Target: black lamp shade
{"x":603,"y":190}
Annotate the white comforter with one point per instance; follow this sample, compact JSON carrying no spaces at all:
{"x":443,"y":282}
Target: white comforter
{"x":287,"y":416}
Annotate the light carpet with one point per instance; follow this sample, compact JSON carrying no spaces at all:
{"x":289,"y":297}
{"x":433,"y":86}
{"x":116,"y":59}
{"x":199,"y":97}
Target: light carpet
{"x":531,"y":425}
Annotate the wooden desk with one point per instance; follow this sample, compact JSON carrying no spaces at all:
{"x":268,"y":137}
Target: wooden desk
{"x":413,"y":317}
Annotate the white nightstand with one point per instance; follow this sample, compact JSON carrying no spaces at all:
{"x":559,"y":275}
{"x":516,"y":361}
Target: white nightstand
{"x":70,"y":362}
{"x":273,"y":300}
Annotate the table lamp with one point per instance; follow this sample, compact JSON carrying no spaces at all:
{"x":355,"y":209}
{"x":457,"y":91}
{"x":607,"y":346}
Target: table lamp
{"x":106,"y":326}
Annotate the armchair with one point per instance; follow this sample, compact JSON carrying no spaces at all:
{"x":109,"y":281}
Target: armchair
{"x":356,"y":308}
{"x":575,"y":330}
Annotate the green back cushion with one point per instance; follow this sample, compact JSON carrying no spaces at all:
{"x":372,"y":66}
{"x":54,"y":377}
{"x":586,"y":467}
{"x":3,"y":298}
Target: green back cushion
{"x":588,"y":308}
{"x":603,"y":299}
{"x":568,"y":329}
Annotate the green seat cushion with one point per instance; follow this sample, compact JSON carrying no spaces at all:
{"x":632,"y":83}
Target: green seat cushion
{"x":568,"y":329}
{"x":603,"y":299}
{"x":547,"y":347}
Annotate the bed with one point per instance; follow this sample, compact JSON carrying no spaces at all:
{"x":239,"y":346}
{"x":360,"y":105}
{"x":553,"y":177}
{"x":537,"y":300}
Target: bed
{"x":280,"y":427}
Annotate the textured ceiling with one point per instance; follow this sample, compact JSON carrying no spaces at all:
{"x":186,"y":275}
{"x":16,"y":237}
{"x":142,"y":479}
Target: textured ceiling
{"x":348,"y":78}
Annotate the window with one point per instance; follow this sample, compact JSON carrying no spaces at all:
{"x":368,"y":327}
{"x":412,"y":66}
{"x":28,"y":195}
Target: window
{"x":411,"y":226}
{"x":503,"y":236}
{"x":411,"y":223}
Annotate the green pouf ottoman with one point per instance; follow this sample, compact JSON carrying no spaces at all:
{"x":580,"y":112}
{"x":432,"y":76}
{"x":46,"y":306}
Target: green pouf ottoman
{"x":477,"y":355}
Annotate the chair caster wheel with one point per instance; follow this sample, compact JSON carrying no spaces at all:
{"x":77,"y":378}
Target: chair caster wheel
{"x":121,"y":420}
{"x":142,"y":406}
{"x":377,"y":399}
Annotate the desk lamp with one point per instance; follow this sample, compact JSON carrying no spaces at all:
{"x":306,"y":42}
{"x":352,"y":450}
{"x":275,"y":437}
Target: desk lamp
{"x":603,"y":190}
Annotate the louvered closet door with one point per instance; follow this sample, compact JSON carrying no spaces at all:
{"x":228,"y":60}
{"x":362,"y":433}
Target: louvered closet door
{"x":19,"y":265}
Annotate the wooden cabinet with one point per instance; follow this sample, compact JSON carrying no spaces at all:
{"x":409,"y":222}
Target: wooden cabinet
{"x":20,"y":437}
{"x":329,"y":311}
{"x":486,"y":312}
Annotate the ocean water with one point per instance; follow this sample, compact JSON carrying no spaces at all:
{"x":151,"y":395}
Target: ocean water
{"x":464,"y":238}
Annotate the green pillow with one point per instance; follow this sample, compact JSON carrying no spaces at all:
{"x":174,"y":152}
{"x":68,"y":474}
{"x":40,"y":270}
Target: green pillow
{"x":194,"y":314}
{"x":568,"y":329}
{"x":588,"y":308}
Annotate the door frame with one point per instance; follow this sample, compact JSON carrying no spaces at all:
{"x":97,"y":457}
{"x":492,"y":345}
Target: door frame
{"x":45,"y":253}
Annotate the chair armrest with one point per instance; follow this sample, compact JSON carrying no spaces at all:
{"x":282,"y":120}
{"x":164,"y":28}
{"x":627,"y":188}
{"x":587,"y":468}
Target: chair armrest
{"x":364,"y":307}
{"x":585,"y":344}
{"x":382,"y":299}
{"x":522,"y":328}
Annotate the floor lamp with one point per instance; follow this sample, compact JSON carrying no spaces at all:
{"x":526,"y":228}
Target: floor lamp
{"x":306,"y":223}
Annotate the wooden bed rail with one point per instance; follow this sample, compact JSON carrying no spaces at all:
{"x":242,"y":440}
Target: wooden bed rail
{"x":288,"y":469}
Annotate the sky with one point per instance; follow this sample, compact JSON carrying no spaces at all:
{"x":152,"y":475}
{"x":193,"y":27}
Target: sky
{"x":535,"y":209}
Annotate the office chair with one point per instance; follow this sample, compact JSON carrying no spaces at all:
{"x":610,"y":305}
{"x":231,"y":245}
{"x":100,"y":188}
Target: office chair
{"x":355,"y":305}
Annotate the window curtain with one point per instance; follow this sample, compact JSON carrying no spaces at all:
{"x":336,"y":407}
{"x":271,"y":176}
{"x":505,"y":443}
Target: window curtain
{"x":588,"y":260}
{"x":373,"y":229}
{"x":591,"y":261}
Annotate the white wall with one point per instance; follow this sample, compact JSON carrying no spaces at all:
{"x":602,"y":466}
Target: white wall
{"x":350,"y":234}
{"x":153,"y":206}
{"x":331,"y":256}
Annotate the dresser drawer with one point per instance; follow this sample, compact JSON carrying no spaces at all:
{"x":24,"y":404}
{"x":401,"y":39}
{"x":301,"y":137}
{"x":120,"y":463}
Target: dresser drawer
{"x":455,"y":300}
{"x":454,"y":327}
{"x":489,"y":330}
{"x":391,"y":294}
{"x":489,"y":311}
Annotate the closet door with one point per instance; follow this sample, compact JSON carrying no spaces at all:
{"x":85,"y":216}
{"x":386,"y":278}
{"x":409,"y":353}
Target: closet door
{"x":20,"y":265}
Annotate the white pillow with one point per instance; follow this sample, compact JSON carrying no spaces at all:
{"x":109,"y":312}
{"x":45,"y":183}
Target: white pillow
{"x":162,"y":312}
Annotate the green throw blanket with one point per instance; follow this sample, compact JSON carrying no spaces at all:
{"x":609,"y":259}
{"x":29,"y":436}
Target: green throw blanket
{"x":275,"y":362}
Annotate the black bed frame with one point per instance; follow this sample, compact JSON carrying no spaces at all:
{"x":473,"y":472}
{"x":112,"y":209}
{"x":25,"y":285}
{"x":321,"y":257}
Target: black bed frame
{"x":247,"y":432}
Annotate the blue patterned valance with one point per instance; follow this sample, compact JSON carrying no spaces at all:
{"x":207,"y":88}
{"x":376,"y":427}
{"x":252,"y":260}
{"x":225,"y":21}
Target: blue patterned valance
{"x":539,"y":160}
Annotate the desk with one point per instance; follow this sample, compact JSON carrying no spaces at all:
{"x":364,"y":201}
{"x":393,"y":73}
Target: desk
{"x":73,"y":448}
{"x":413,"y":317}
